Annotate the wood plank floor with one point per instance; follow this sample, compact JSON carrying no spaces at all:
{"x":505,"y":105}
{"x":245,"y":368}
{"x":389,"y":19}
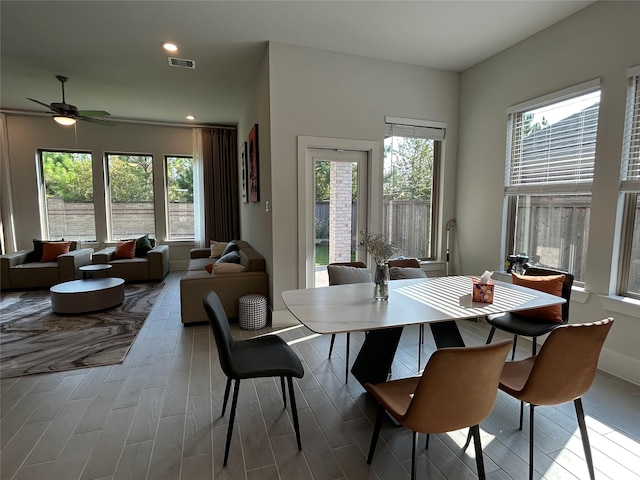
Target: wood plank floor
{"x":157,"y":416}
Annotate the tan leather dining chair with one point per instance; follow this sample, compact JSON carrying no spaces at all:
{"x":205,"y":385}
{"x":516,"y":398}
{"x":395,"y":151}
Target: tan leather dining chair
{"x":457,"y":389}
{"x":563,"y":371}
{"x":342,"y":273}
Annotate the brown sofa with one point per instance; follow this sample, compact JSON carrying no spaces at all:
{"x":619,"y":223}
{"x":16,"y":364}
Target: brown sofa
{"x":151,"y":268}
{"x":229,"y":286}
{"x":20,"y":270}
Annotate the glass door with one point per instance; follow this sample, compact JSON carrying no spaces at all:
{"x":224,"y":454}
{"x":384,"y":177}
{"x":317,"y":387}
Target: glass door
{"x":340,"y":209}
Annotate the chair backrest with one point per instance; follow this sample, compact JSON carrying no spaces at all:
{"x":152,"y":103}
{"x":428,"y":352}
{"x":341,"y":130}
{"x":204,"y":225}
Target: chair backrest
{"x":348,"y":272}
{"x":566,"y":285}
{"x":221,"y":331}
{"x":567,"y":363}
{"x":458,"y":388}
{"x":405,"y":263}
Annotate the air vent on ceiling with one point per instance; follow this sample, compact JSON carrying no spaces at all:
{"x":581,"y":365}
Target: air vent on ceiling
{"x":182,"y":62}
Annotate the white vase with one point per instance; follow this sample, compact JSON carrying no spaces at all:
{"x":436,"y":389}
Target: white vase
{"x":381,"y":283}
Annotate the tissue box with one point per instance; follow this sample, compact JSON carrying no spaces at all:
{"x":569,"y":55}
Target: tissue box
{"x":482,"y":292}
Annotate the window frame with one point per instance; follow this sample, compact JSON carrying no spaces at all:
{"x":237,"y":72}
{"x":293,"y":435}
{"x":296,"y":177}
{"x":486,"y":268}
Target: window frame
{"x":576,"y":184}
{"x":435,"y":132}
{"x":108,"y":201}
{"x":42,"y":190}
{"x":629,"y":193}
{"x":167,"y":157}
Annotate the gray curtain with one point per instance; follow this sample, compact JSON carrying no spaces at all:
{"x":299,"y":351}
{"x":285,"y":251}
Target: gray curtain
{"x":221,"y":196}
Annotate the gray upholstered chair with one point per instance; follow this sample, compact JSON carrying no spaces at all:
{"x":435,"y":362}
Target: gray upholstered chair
{"x":404,"y":269}
{"x":264,"y":356}
{"x":341,"y":274}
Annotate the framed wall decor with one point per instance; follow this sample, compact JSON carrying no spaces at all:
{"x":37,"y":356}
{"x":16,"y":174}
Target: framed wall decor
{"x":243,"y":172}
{"x":254,"y":194}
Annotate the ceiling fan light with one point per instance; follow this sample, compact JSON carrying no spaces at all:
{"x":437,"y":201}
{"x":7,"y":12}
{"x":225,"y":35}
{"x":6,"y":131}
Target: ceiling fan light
{"x":62,"y":120}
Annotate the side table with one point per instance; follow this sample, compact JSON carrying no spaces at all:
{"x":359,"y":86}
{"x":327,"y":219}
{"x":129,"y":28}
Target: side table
{"x":97,"y":267}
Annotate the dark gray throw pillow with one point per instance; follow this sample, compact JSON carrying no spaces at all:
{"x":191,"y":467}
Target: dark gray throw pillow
{"x":232,"y":246}
{"x":231,"y":257}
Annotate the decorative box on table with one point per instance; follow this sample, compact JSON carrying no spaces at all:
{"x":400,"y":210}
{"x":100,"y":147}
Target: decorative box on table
{"x":482,"y":292}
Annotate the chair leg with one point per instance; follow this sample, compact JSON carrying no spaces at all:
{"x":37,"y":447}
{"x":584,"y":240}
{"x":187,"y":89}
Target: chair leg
{"x":226,"y":396}
{"x":491,"y":333}
{"x":414,"y":454}
{"x":534,"y":345}
{"x":333,"y":339}
{"x":294,"y":412}
{"x":234,"y":404}
{"x":376,"y":434}
{"x":426,"y":443}
{"x":468,"y":441}
{"x":531,"y":411}
{"x":284,"y":393}
{"x":475,"y":431}
{"x":346,"y":359}
{"x":585,"y":436}
{"x":521,"y":414}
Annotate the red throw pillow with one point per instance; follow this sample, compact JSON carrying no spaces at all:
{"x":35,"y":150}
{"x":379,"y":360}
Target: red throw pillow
{"x":125,"y":249}
{"x":551,"y":284}
{"x":209,"y":268}
{"x":51,"y":250}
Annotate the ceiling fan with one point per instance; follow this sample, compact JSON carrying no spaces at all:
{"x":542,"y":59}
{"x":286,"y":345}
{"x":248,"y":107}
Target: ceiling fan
{"x":66,"y":114}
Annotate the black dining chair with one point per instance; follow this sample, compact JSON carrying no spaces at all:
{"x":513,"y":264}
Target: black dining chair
{"x":264,"y":356}
{"x":535,"y":322}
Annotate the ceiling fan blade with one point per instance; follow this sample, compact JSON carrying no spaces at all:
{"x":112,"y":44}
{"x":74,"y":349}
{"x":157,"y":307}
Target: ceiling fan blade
{"x":97,"y":120}
{"x":40,"y":103}
{"x":93,"y":113}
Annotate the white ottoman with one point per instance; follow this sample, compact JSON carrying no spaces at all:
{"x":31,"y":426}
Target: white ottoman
{"x":253,"y":312}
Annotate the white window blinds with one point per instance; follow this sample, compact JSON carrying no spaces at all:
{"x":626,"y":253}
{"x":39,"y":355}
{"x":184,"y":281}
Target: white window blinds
{"x":551,"y":144}
{"x":413,"y":128}
{"x":631,"y":141}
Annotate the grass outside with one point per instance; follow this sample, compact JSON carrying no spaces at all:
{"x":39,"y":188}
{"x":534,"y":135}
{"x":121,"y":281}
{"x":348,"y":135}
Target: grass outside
{"x":322,"y":255}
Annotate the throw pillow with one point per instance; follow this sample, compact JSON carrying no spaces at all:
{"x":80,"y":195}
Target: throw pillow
{"x":216,"y":268}
{"x":551,"y":284}
{"x":51,"y":250}
{"x":402,"y":273}
{"x":232,"y":246}
{"x":231,"y":257}
{"x":217,"y":248}
{"x":125,"y":249}
{"x":143,"y":245}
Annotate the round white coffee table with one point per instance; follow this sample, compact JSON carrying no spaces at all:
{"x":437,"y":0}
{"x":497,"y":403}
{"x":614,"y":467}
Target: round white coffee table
{"x":81,"y":296}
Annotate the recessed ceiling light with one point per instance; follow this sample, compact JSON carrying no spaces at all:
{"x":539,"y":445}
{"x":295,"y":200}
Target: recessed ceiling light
{"x":190,"y":117}
{"x":170,"y":46}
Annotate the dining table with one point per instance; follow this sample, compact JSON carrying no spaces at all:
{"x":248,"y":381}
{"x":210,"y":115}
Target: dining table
{"x":437,"y":301}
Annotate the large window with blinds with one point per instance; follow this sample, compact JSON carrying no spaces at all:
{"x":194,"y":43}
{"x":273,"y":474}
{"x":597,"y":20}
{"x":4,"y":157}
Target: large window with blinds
{"x":629,"y":278}
{"x":551,"y":143}
{"x":410,"y":185}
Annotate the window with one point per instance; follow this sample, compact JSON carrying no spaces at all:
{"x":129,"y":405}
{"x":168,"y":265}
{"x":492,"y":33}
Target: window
{"x":130,"y":190}
{"x":629,"y":280}
{"x":67,"y":195}
{"x":411,"y":161}
{"x":551,"y":145}
{"x":179,"y":176}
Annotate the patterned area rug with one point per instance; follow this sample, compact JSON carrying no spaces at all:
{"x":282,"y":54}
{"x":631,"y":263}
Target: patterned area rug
{"x":34,"y":339}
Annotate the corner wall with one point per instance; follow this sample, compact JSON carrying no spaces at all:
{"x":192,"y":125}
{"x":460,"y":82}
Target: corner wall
{"x":601,"y":41}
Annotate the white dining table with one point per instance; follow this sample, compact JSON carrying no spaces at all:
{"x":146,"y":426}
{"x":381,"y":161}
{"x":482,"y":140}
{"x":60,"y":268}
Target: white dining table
{"x":438,"y":301}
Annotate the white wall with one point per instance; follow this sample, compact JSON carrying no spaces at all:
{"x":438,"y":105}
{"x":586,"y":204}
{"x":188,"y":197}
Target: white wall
{"x":601,"y":41}
{"x":27,"y":134}
{"x":325,"y":94}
